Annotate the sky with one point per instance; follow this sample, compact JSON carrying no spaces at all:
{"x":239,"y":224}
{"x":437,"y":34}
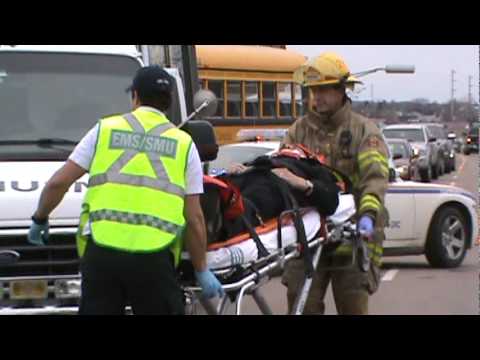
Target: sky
{"x":432,"y":78}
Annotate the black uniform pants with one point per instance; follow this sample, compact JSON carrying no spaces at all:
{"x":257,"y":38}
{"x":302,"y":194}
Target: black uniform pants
{"x":113,"y":279}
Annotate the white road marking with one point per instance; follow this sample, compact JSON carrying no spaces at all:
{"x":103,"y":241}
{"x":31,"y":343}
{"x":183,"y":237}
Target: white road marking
{"x":389,"y":275}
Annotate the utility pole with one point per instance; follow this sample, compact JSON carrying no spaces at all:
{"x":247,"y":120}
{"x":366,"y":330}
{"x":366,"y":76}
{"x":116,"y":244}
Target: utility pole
{"x":470,"y":89}
{"x":452,"y":108}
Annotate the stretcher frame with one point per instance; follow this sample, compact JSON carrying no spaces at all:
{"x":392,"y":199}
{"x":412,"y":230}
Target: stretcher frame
{"x":262,"y":269}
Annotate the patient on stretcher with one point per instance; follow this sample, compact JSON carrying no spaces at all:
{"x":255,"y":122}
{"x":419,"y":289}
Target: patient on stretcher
{"x":251,"y":194}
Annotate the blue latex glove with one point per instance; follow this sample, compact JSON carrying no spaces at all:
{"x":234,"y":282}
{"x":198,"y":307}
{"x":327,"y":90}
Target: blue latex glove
{"x":210,"y":285}
{"x":365,"y":226}
{"x":38,"y":234}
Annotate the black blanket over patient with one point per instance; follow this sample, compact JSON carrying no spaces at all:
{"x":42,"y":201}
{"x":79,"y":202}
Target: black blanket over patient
{"x":266,"y":196}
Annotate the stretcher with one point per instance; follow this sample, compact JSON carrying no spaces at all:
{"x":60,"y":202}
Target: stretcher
{"x":242,"y":271}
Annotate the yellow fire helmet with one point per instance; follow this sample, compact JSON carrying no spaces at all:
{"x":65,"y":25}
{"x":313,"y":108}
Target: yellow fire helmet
{"x":326,"y":69}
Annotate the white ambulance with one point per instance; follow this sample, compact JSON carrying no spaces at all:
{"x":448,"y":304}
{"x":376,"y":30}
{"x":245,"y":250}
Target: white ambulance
{"x":50,"y":96}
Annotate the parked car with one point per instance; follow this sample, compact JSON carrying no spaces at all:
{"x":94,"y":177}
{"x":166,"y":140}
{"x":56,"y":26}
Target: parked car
{"x":404,"y":159}
{"x":424,"y":145}
{"x":439,"y":221}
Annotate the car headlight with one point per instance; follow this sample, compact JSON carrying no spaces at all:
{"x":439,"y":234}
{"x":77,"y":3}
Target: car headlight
{"x":419,"y":151}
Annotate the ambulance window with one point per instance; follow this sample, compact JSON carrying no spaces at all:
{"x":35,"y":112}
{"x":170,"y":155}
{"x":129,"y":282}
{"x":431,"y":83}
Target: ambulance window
{"x":60,"y":95}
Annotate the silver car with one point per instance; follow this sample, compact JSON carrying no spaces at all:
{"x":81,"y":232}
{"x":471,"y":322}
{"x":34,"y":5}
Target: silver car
{"x":424,"y":146}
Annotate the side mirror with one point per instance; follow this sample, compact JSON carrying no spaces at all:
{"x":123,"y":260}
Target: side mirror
{"x":205,"y":103}
{"x":203,"y":136}
{"x":397,"y":156}
{"x":8,"y":257}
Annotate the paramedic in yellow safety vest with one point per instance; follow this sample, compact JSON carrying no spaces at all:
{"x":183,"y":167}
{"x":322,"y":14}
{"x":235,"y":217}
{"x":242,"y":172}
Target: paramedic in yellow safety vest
{"x":355,"y":147}
{"x":142,"y":202}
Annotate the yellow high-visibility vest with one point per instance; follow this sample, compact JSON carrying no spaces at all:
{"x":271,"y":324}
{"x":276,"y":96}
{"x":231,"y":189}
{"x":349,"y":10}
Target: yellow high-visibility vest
{"x":136,"y":190}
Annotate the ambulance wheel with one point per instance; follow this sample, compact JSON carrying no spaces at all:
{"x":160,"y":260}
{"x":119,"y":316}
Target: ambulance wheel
{"x":447,"y":239}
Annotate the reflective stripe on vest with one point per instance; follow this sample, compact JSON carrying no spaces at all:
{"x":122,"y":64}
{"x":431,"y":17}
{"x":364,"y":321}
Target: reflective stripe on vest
{"x":134,"y":219}
{"x":137,"y":183}
{"x":369,"y":202}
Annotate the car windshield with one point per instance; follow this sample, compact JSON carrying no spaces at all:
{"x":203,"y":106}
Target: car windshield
{"x":228,"y":155}
{"x":59,"y":96}
{"x":398,"y":148}
{"x":412,"y":135}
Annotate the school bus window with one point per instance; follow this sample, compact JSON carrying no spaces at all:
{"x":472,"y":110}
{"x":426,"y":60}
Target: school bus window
{"x":217,"y":87}
{"x":251,"y":99}
{"x":268,"y":102}
{"x":234,"y":99}
{"x":285,"y":99}
{"x":299,"y":105}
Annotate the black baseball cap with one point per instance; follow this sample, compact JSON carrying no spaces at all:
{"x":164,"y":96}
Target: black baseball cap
{"x":151,"y":80}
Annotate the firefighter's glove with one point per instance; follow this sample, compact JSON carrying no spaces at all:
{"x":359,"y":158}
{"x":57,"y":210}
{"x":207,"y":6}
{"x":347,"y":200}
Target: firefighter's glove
{"x":38,"y":233}
{"x":210,"y":285}
{"x":365,"y":226}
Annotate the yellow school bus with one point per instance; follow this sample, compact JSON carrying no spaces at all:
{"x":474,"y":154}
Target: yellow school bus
{"x":253,"y":84}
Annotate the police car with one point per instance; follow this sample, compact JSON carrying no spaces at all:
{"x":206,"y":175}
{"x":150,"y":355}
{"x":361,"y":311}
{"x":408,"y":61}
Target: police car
{"x":439,"y":221}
